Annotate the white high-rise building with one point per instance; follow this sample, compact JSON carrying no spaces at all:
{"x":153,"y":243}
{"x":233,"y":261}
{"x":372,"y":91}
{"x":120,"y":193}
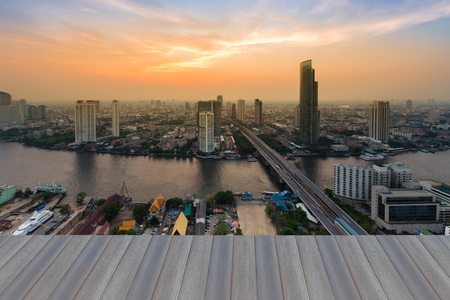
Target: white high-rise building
{"x":356,"y":182}
{"x":379,"y":120}
{"x":353,"y":182}
{"x":241,"y":110}
{"x":85,"y":121}
{"x":115,"y":118}
{"x":206,"y":132}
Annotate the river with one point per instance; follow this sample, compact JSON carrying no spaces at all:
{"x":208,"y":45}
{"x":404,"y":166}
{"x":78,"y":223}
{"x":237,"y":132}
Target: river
{"x":102,"y":175}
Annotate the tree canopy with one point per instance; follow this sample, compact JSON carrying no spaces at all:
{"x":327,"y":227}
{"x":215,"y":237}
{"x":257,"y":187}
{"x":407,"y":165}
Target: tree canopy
{"x":111,"y":211}
{"x":224,"y":197}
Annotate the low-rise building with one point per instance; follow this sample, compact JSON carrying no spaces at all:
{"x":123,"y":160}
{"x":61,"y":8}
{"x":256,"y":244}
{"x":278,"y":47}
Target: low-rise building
{"x":400,"y":210}
{"x":7,"y":192}
{"x":158,"y":206}
{"x":339,"y":148}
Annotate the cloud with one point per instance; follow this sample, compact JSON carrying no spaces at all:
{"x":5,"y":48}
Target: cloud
{"x":178,"y":36}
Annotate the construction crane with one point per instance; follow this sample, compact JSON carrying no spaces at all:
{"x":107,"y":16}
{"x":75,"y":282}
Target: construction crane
{"x":124,"y":187}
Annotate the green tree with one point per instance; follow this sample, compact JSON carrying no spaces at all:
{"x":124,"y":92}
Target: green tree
{"x":19,"y":193}
{"x":131,"y":232}
{"x":65,"y":210}
{"x":111,"y":211}
{"x":47,"y":195}
{"x":174,"y":203}
{"x":80,"y":198}
{"x":28,"y":192}
{"x":221,"y":228}
{"x":100,"y":202}
{"x":224,"y":197}
{"x":238,"y":231}
{"x":154,"y":221}
{"x":209,"y":198}
{"x":139,"y":212}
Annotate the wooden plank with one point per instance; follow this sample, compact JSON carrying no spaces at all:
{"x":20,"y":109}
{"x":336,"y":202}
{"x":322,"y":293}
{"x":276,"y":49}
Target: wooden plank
{"x":362,"y":274}
{"x":388,"y":277}
{"x":317,"y":282}
{"x":57,"y":269}
{"x":218,"y":285}
{"x":171,"y":275}
{"x":101,"y":273}
{"x":195,"y":276}
{"x":147,"y":276}
{"x":20,"y":260}
{"x":120,"y":282}
{"x":438,"y":250}
{"x":291,"y":269}
{"x":18,"y":288}
{"x":432,"y":271}
{"x":71,"y":282}
{"x":411,"y":275}
{"x":338,"y":273}
{"x":10,"y":248}
{"x":267,"y":269}
{"x":243,"y":278}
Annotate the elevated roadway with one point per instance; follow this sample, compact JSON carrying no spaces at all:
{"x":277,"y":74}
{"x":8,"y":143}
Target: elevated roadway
{"x":313,"y":197}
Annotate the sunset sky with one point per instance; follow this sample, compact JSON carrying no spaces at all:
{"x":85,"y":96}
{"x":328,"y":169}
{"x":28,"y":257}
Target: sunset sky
{"x":53,"y":50}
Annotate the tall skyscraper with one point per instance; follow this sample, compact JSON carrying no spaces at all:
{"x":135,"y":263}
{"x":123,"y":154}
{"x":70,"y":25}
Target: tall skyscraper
{"x":297,"y":116}
{"x":233,"y":111}
{"x":228,"y":109}
{"x":379,"y":120}
{"x":206,"y":132}
{"x":5,"y":99}
{"x":258,"y":112}
{"x":85,"y":121}
{"x":214,"y":107}
{"x":220,"y":99}
{"x":97,"y":106}
{"x":409,"y":105}
{"x":309,"y":113}
{"x":115,"y":118}
{"x":241,"y":110}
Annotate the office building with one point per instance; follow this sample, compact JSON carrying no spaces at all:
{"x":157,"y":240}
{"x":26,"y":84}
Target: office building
{"x":241,"y":110}
{"x":115,"y":118}
{"x":214,"y":107}
{"x":5,"y":99}
{"x":206,"y":132}
{"x":379,"y":120}
{"x":258,"y":112}
{"x":409,"y":105}
{"x":400,"y":210}
{"x":220,"y":99}
{"x":354,"y":182}
{"x":233,"y":111}
{"x":400,"y":174}
{"x":309,"y":112}
{"x":297,"y":116}
{"x":36,"y":112}
{"x":85,"y":121}
{"x":228,"y":109}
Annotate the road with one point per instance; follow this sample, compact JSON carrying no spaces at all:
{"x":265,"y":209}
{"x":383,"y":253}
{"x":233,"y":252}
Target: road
{"x":313,"y":197}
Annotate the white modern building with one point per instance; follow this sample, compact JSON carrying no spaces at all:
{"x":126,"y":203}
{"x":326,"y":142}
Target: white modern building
{"x":379,"y":120}
{"x":206,"y":132}
{"x":355,"y":182}
{"x":401,"y":210}
{"x":241,"y":110}
{"x":352,"y":181}
{"x":85,"y":121}
{"x":115,"y":118}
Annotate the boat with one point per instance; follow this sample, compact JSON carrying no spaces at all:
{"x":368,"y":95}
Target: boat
{"x":371,"y":157}
{"x":33,"y":223}
{"x":54,"y":188}
{"x":250,"y":158}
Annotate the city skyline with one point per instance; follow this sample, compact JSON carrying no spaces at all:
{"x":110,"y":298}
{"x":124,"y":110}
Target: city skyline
{"x":133,"y":50}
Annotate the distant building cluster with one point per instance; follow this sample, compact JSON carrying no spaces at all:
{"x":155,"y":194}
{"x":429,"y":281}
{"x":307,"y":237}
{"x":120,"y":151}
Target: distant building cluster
{"x":17,"y":111}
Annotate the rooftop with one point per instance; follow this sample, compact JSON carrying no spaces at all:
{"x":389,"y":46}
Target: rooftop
{"x":224,"y":267}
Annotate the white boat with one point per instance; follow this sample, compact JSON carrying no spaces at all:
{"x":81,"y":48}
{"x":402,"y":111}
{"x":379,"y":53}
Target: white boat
{"x":371,"y":157}
{"x":33,"y":223}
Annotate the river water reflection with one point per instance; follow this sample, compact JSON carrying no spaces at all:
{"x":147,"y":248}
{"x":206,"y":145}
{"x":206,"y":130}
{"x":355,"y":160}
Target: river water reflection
{"x":146,"y":177}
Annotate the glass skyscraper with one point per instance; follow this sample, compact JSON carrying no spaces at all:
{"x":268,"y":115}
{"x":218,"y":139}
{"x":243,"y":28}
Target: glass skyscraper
{"x":309,"y":113}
